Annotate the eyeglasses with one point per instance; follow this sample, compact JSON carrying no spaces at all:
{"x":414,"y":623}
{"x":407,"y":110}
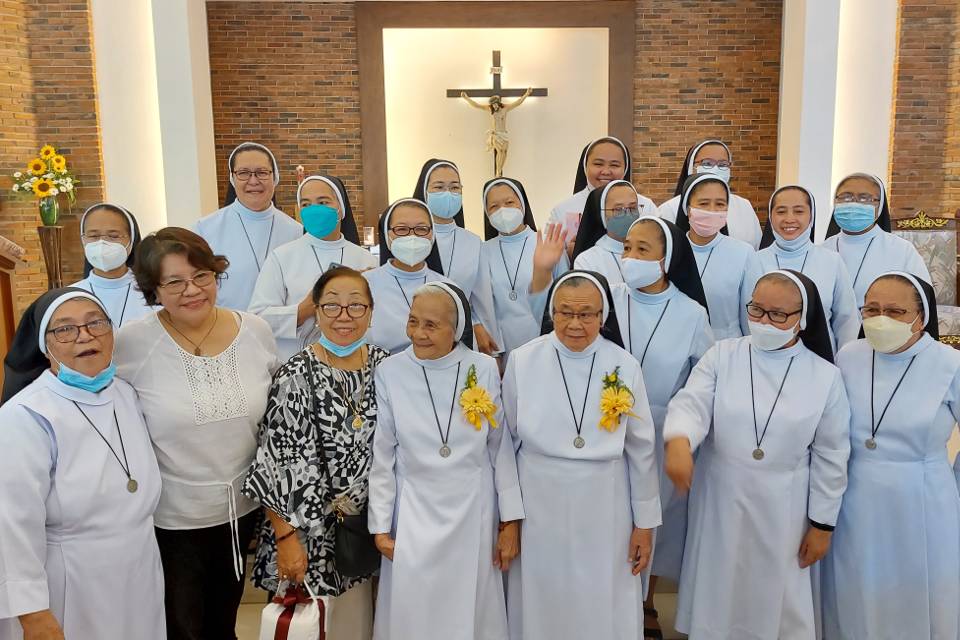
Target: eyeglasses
{"x":113,"y":236}
{"x":894,"y":313}
{"x":201,"y":280}
{"x":623,"y":211}
{"x":245,"y":174}
{"x":354,"y":310}
{"x":420,"y":230}
{"x":67,"y":333}
{"x":862,"y":198}
{"x":452,"y":188}
{"x":584,"y":317}
{"x":757,"y":312}
{"x":707,"y":163}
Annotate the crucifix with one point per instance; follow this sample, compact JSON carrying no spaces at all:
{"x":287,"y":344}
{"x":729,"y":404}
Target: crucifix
{"x":497,"y":139}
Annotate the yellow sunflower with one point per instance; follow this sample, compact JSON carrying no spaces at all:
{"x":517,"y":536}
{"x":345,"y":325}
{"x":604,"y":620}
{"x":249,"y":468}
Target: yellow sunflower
{"x":37,"y":167}
{"x":59,"y":163}
{"x":42,"y":188}
{"x":613,"y":404}
{"x":47,"y":152}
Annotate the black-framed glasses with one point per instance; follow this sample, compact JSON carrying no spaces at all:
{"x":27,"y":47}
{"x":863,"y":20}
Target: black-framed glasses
{"x":354,"y":309}
{"x":245,"y":174}
{"x":894,"y":313}
{"x":201,"y":280}
{"x":112,"y":236}
{"x":420,"y":230}
{"x":67,"y":333}
{"x":707,"y":163}
{"x":757,"y":312}
{"x":585,"y":317}
{"x":862,"y":198}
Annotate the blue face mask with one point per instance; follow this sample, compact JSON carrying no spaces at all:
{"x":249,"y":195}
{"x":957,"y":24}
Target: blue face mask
{"x":444,"y":204}
{"x":792,"y":245}
{"x":96,"y":384}
{"x":620,"y":225}
{"x":339,"y":350}
{"x":854,"y":216}
{"x":319,"y":220}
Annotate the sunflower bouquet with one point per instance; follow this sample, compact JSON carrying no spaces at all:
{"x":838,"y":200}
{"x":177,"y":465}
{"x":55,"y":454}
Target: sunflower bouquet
{"x":476,"y":403}
{"x":616,"y":400}
{"x":45,"y":178}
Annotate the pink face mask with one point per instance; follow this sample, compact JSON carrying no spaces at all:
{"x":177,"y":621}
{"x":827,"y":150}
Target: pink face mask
{"x":706,"y":223}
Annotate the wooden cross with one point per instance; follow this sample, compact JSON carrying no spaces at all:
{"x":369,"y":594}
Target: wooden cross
{"x":497,"y":89}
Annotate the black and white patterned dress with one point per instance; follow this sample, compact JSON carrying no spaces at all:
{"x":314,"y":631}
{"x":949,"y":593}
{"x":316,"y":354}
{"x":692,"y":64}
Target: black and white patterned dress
{"x":287,"y":475}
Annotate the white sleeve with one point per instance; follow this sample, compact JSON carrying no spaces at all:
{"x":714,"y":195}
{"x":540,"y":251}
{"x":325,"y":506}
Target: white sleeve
{"x":502,"y":455}
{"x":752,"y":271}
{"x":383,"y":479}
{"x":269,"y":300}
{"x":702,"y":341}
{"x":844,"y":316}
{"x":690,"y":412}
{"x":756,"y":233}
{"x":829,"y":454}
{"x":668,"y":210}
{"x":639,"y":448}
{"x":26,"y":466}
{"x":481,"y":303}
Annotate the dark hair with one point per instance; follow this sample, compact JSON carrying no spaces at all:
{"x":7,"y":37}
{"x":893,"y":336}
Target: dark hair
{"x":697,"y":187}
{"x":339,"y":272}
{"x":148,"y":266}
{"x":791,"y":188}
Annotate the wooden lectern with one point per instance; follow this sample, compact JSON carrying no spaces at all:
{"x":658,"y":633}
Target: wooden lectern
{"x":9,"y":256}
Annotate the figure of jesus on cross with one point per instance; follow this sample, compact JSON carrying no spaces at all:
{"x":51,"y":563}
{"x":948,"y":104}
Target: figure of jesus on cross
{"x":498,"y":140}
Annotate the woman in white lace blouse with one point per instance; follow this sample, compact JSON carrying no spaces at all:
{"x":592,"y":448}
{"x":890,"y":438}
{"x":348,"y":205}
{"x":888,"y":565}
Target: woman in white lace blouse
{"x":202,"y":373}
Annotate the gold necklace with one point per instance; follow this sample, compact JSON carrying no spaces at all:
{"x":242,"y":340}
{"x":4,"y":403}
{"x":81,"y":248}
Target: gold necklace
{"x":357,"y":420}
{"x":196,"y":346}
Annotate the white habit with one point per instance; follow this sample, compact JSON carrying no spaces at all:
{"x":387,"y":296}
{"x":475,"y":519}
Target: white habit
{"x":120,"y":296}
{"x":575,"y":203}
{"x":604,"y":258}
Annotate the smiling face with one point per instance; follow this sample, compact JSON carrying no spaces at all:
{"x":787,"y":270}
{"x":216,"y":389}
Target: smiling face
{"x":790,"y":213}
{"x":431,"y":325}
{"x":193,"y":305}
{"x":605,"y":162}
{"x":88,"y":354}
{"x":255,"y":194}
{"x":344,"y":329}
{"x":577,"y":311}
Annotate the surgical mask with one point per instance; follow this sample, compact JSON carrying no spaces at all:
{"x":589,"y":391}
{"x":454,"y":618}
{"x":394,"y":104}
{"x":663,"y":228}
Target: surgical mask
{"x":707,"y":223}
{"x":721,"y":172}
{"x":767,"y":337}
{"x":887,"y":335}
{"x":319,"y":220}
{"x":854,"y":216}
{"x":95,"y":384}
{"x":640,"y":273}
{"x":341,"y":351}
{"x":792,"y":245}
{"x":506,"y":219}
{"x":411,"y":250}
{"x":105,"y":255}
{"x":444,"y":204}
{"x":619,"y":225}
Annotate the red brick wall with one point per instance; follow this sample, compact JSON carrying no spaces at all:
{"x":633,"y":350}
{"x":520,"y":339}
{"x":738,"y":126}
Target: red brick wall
{"x":286,"y":74}
{"x":925,"y":154}
{"x":46,"y":48}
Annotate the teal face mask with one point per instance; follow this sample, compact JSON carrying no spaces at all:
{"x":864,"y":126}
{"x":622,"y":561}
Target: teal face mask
{"x":618,"y":226}
{"x":341,"y":351}
{"x":444,"y":204}
{"x":94,"y":384}
{"x":319,"y":220}
{"x":854,"y":216}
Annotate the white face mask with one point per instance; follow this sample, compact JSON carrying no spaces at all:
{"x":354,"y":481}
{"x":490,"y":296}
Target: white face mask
{"x":411,"y":250}
{"x":640,"y":273}
{"x":506,"y":219}
{"x":105,"y":255}
{"x":767,"y":337}
{"x":887,"y":335}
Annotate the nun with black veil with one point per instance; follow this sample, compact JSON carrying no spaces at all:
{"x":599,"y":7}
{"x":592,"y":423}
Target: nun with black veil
{"x":79,"y":483}
{"x":249,"y":226}
{"x":769,"y":416}
{"x":587,"y":467}
{"x":899,"y":576}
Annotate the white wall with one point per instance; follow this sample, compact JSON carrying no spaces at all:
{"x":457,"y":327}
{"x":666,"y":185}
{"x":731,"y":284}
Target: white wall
{"x":546,"y":134}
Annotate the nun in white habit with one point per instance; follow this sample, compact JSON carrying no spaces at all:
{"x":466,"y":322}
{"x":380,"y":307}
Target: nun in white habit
{"x":249,"y":226}
{"x":508,"y":255}
{"x":728,"y":267}
{"x":577,"y":408}
{"x":893,"y":570}
{"x":408,"y":260}
{"x":769,"y":415}
{"x":713,"y":157}
{"x":440,"y":187}
{"x":110,"y":236}
{"x":444,"y":495}
{"x":283,"y":294}
{"x":860,"y":232}
{"x":788,"y":244}
{"x":607,"y":215}
{"x":78,"y":483}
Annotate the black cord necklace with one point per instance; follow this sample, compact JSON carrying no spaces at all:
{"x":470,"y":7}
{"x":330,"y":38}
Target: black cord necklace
{"x":516,"y":272}
{"x":132,"y":484}
{"x":445,"y":450}
{"x":871,"y":442}
{"x":758,"y":452}
{"x":578,"y":442}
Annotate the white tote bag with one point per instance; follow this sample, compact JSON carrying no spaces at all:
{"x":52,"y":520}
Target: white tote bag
{"x":295,"y":615}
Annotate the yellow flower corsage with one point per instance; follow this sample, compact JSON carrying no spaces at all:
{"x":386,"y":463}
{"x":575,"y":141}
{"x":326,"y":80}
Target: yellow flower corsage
{"x":615,"y":400}
{"x":476,"y":402}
